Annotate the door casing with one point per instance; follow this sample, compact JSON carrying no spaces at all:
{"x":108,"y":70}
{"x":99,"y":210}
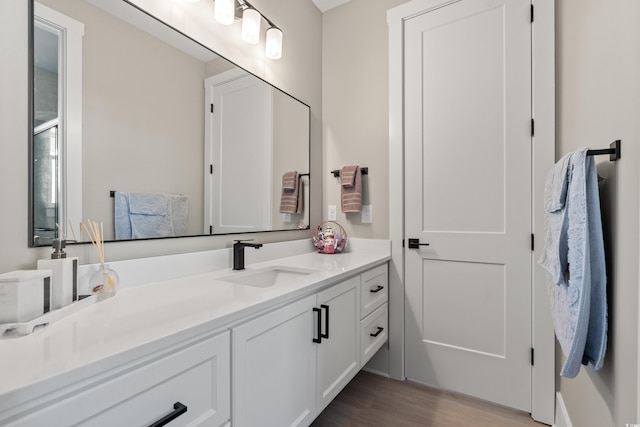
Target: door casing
{"x":543,"y":155}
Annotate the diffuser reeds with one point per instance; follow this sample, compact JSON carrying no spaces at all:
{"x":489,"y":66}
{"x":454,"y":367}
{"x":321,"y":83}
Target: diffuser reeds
{"x":95,"y":232}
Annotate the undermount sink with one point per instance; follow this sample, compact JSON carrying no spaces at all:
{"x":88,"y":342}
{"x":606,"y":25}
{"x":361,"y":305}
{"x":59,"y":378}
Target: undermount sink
{"x":268,"y":276}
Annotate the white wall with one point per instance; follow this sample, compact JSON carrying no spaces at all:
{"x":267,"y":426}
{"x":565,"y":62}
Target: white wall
{"x":298,"y":73}
{"x":355,"y":107}
{"x":598,"y":101}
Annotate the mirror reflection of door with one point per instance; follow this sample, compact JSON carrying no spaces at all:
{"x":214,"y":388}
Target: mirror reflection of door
{"x":57,"y":124}
{"x":45,"y":135}
{"x":238,"y":145}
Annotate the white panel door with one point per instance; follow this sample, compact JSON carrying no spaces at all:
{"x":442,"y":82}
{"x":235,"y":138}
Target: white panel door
{"x":238,"y":168}
{"x":468,"y":196}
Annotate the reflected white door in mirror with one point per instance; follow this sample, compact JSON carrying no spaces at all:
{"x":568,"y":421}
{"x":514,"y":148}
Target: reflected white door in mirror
{"x":238,"y":135}
{"x":56,"y":151}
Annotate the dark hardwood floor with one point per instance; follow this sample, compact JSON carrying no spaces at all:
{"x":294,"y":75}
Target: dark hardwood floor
{"x":371,"y":400}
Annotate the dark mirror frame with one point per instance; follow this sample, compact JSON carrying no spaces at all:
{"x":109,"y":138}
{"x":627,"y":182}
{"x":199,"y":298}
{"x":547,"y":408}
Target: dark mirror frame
{"x":30,"y":136}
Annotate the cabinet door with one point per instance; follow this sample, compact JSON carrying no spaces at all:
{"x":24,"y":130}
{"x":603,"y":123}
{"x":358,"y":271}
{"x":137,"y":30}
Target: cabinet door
{"x":197,"y":377}
{"x":274,"y":368}
{"x":339,"y":354}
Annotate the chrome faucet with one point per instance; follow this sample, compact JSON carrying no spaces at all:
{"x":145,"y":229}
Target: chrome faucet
{"x":238,"y":252}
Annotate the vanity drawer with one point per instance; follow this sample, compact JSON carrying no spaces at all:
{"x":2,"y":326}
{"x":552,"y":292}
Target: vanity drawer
{"x":197,"y":377}
{"x":374,"y":289}
{"x":374,"y":332}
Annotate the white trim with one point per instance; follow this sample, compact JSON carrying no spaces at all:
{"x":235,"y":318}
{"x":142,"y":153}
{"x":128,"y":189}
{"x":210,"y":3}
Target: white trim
{"x":562,"y":416}
{"x":543,"y":154}
{"x":70,"y":105}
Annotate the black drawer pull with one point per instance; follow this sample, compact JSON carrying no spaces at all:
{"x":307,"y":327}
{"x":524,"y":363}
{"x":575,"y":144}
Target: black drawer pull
{"x":319,"y":329}
{"x":376,"y":290}
{"x":326,"y":322}
{"x":178,"y":409}
{"x":377,"y":332}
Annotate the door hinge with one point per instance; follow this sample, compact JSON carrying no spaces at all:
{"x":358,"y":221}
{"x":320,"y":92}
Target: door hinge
{"x":403,"y":243}
{"x":531,"y":13}
{"x":533,"y":127}
{"x":532,"y":356}
{"x":212,"y":108}
{"x":211,"y":169}
{"x":532,"y":242}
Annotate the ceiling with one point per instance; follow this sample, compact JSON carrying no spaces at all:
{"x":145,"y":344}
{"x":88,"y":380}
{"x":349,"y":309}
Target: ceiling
{"x":325,"y":5}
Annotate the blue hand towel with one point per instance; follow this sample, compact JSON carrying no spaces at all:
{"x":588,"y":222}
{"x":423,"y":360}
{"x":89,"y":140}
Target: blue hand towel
{"x":596,"y":345}
{"x":574,"y":257}
{"x":121,"y":216}
{"x":150,"y":215}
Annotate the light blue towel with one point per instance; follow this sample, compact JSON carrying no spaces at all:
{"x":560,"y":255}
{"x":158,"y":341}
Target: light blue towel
{"x":573,"y":255}
{"x":146,"y":215}
{"x":150,"y":215}
{"x":121,"y":216}
{"x":596,"y":345}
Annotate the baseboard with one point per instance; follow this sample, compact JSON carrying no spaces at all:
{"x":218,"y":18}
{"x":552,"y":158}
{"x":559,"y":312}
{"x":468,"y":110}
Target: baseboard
{"x":562,"y":416}
{"x":376,"y":372}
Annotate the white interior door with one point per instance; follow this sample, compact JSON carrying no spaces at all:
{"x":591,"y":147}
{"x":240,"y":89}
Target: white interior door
{"x":468,"y":196}
{"x":238,"y":153}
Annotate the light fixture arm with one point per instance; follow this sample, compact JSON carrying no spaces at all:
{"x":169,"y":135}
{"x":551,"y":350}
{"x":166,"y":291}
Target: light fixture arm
{"x":244,"y":4}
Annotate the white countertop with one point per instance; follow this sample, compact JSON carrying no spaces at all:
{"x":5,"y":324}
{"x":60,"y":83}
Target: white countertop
{"x":163,"y":311}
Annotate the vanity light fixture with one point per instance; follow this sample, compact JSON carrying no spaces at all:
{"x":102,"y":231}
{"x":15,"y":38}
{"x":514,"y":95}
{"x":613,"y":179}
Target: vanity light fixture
{"x":274,"y":43}
{"x":226,"y":11}
{"x":251,"y":25}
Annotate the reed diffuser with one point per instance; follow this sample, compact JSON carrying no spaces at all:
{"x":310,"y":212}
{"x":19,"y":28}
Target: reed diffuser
{"x":104,"y":282}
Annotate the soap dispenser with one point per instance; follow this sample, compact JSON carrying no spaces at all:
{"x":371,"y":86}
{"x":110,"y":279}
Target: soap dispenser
{"x":64,"y":277}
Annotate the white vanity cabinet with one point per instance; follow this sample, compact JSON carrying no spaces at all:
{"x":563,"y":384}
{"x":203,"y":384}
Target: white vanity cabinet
{"x":374,"y":296}
{"x":144,"y":392}
{"x":233,"y":354}
{"x":289,"y":364}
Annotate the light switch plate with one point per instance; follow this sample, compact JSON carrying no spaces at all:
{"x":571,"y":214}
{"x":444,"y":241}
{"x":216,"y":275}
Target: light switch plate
{"x":367,"y":214}
{"x":332,"y":213}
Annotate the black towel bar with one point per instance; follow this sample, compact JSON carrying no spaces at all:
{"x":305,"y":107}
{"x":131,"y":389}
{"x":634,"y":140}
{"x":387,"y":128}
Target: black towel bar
{"x":613,"y":151}
{"x":364,"y":170}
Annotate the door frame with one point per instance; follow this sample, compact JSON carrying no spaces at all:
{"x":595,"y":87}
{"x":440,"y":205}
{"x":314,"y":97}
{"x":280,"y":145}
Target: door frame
{"x":70,"y":35}
{"x":543,"y":158}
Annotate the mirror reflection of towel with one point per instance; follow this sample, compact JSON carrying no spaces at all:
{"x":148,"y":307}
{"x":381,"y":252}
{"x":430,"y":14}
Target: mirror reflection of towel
{"x":145,"y":215}
{"x":291,"y":198}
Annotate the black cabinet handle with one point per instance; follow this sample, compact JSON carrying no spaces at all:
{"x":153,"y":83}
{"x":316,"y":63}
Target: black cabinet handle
{"x":377,"y":332}
{"x":415,"y":244}
{"x":319,"y":329}
{"x":326,"y":322}
{"x":178,"y":409}
{"x":376,"y":290}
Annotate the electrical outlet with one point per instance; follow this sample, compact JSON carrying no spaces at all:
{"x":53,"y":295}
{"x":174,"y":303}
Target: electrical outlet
{"x":367,"y":214}
{"x":286,"y":217}
{"x":332,"y":213}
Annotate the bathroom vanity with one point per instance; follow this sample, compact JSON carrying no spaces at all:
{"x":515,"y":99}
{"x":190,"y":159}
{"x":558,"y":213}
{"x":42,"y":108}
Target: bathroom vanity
{"x":271,"y":345}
